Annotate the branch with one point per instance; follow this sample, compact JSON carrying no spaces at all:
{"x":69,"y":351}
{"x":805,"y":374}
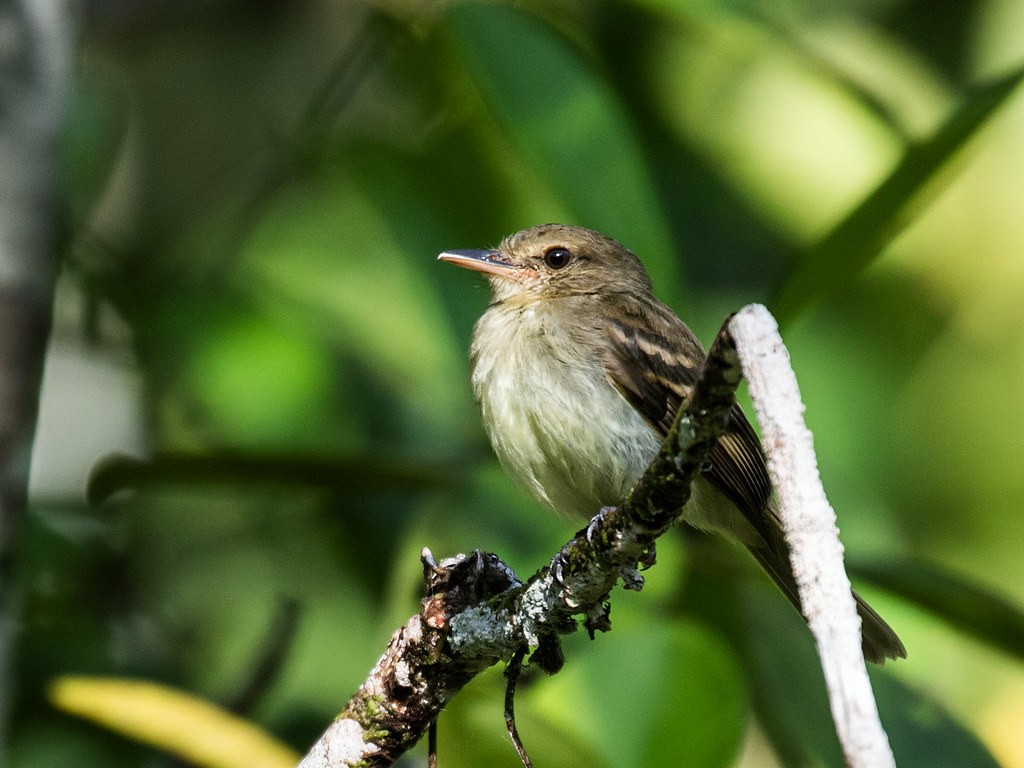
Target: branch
{"x":35,"y":52}
{"x":419,"y":672}
{"x":478,"y":613}
{"x":809,"y":525}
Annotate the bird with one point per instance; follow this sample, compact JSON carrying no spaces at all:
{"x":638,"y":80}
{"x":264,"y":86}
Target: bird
{"x":579,"y":371}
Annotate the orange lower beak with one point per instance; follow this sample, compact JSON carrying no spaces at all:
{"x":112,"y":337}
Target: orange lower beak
{"x":481,"y":261}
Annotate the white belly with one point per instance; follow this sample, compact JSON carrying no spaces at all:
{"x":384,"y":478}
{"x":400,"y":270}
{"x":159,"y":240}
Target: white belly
{"x":560,"y":427}
{"x":557,"y":424}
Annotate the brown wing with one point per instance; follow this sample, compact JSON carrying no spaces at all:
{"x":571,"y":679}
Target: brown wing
{"x":738,"y":469}
{"x":654,"y":359}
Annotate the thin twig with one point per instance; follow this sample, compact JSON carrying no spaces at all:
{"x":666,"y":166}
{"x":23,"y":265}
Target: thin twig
{"x":430,"y":572}
{"x":432,"y":744}
{"x":512,"y":673}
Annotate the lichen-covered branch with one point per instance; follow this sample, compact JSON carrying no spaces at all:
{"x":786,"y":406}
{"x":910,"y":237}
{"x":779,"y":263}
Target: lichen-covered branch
{"x":477,"y":613}
{"x":421,"y":670}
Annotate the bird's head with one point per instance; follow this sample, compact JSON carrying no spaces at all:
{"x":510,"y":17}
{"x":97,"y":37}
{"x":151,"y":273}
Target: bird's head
{"x":555,"y":260}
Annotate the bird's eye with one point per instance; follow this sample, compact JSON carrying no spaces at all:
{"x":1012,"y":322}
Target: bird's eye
{"x":556,"y":258}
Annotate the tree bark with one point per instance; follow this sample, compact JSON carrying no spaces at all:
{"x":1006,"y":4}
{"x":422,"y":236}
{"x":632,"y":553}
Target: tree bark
{"x":35,"y":53}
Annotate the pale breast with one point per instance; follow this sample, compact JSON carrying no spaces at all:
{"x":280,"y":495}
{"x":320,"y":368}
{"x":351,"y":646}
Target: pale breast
{"x":556,"y":422}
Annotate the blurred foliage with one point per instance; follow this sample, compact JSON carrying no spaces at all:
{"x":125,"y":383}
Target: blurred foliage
{"x":197,"y":731}
{"x":256,"y":194}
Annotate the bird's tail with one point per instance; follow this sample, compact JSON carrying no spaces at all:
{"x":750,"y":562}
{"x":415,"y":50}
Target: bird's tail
{"x":878,"y":640}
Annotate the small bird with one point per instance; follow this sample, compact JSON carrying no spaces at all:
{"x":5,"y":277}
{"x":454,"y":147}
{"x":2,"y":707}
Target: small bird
{"x":579,"y":372}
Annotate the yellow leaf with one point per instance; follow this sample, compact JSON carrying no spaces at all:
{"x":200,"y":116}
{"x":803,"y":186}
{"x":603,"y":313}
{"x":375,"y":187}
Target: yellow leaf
{"x":172,"y":720}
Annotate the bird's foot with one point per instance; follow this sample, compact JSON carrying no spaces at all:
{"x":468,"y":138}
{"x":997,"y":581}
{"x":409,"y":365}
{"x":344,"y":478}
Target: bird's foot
{"x":595,"y":524}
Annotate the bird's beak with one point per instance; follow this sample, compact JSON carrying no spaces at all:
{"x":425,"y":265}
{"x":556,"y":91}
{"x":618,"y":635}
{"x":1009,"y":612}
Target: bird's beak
{"x":490,"y":262}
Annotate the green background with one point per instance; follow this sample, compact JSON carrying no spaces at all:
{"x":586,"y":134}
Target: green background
{"x":250,"y":307}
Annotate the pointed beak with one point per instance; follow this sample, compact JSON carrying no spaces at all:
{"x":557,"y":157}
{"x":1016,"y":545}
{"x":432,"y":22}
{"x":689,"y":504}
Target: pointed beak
{"x":490,"y":262}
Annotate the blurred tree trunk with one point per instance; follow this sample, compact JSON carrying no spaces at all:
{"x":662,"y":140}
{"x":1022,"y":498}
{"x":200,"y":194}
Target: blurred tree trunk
{"x":35,"y":64}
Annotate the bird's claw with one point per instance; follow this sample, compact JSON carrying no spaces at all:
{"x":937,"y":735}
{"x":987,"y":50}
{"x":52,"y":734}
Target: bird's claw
{"x":595,"y":523}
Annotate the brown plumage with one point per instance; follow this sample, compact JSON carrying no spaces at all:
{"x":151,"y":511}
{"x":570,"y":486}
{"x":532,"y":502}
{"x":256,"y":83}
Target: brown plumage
{"x":579,"y":371}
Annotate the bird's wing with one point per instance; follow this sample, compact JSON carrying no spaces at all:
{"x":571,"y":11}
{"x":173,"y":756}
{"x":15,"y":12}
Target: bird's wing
{"x":653,"y":359}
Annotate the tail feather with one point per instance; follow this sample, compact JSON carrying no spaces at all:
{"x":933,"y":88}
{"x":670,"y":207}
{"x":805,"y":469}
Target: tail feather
{"x":878,"y":640}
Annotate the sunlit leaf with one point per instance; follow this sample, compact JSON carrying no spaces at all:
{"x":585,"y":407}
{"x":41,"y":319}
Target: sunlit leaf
{"x":323,"y":254}
{"x":172,"y":720}
{"x":922,"y":734}
{"x":860,"y":237}
{"x":259,"y":380}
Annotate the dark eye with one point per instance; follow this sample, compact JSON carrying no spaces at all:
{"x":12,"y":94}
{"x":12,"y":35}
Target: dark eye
{"x":556,"y":258}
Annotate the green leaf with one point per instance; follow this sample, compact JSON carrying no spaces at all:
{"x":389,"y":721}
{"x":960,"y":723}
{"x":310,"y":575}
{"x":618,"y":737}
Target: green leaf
{"x":651,"y":693}
{"x":471,"y":732}
{"x":857,"y":240}
{"x":786,"y":680}
{"x":788,"y":689}
{"x":922,"y":734}
{"x":707,"y":730}
{"x":791,"y":703}
{"x":324,"y":256}
{"x":570,"y":126}
{"x":963,"y":604}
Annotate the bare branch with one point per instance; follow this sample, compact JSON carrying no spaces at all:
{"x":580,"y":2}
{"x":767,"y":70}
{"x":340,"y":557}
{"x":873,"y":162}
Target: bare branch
{"x":809,"y":524}
{"x":35,"y":51}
